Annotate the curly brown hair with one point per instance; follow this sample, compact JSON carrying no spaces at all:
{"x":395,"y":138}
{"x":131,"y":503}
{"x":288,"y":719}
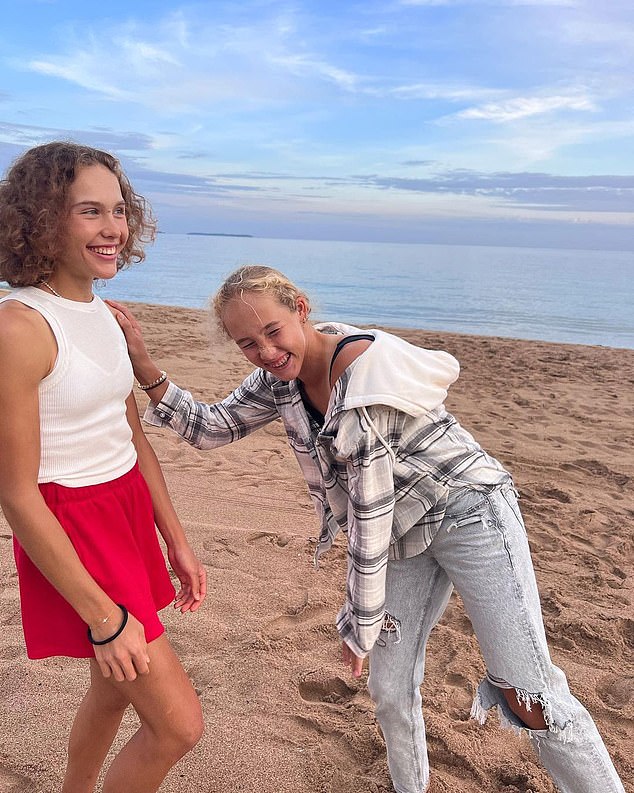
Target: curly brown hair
{"x":33,"y":207}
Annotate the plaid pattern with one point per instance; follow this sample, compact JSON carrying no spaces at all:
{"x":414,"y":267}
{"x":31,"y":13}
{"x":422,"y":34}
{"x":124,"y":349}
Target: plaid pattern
{"x":373,"y":472}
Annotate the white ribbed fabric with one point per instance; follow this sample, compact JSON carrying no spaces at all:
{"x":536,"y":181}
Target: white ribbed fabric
{"x":85,"y":436}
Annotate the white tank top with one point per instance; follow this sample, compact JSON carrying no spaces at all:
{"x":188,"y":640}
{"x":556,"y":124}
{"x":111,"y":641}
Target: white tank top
{"x":85,"y":438}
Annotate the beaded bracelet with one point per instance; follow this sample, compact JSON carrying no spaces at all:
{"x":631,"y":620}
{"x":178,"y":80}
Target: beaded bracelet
{"x":159,"y":381}
{"x":118,"y":632}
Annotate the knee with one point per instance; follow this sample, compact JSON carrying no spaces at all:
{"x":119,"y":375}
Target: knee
{"x":176,"y":737}
{"x":393,"y":701}
{"x":115,"y":703}
{"x":384,"y":697}
{"x":533,"y":719}
{"x":190,"y":733}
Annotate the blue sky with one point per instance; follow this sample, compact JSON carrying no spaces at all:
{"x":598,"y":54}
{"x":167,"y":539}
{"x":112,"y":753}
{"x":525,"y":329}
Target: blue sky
{"x":475,"y":121}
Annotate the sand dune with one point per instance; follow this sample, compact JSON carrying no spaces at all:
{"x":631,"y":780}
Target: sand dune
{"x":282,"y":713}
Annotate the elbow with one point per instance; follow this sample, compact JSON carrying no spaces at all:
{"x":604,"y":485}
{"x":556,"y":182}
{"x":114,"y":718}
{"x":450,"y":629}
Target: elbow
{"x":17,"y":502}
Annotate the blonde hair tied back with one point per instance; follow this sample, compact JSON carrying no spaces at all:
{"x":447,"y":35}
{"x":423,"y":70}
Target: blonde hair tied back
{"x":259,"y":279}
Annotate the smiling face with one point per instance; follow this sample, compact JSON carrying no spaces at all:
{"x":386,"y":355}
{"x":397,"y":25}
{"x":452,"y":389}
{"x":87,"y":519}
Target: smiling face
{"x":270,"y":334}
{"x":96,"y":229}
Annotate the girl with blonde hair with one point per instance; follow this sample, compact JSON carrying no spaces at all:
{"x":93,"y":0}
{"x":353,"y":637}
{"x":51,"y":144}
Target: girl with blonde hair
{"x":424,"y":507}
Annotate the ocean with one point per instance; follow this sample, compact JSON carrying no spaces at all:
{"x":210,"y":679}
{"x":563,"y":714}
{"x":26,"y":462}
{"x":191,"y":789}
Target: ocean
{"x":576,"y":296}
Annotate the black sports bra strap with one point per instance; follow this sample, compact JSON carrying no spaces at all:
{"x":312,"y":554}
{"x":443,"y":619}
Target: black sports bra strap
{"x":341,"y":344}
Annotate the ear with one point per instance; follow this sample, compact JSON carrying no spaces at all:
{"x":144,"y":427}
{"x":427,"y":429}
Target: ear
{"x":301,"y":306}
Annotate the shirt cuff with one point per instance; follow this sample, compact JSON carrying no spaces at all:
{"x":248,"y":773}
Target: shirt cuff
{"x":346,"y":632}
{"x":158,"y":415}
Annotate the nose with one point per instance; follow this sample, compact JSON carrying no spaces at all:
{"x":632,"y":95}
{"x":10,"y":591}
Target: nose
{"x":111,"y":226}
{"x":267,"y":352}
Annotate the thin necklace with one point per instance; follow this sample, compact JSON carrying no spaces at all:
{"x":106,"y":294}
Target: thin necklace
{"x":48,"y":286}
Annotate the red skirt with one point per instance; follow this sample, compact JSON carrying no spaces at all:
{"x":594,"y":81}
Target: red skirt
{"x":111,"y":527}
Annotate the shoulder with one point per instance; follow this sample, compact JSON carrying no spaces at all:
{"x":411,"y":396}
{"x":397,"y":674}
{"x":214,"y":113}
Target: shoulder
{"x":348,"y":354}
{"x":18,"y":318}
{"x":26,"y":340}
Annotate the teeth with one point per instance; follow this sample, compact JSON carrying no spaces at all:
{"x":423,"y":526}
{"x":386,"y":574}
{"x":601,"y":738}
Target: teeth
{"x":105,"y":251}
{"x":283,"y":362}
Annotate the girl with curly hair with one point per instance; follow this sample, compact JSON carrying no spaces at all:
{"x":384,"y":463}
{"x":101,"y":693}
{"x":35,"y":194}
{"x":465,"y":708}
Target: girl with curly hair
{"x":79,"y":482}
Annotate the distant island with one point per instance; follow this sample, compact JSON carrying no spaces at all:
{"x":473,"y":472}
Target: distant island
{"x":214,"y":234}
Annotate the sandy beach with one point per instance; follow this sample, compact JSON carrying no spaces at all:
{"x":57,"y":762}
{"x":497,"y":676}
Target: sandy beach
{"x":282,"y":712}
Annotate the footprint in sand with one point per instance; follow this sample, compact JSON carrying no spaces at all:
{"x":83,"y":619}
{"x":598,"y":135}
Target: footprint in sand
{"x":350,"y":748}
{"x":305,"y":617}
{"x":555,"y":494}
{"x":220,"y":554}
{"x":13,"y":783}
{"x":281,"y":540}
{"x":332,"y":690}
{"x":616,"y":692}
{"x":517,"y":781}
{"x":448,"y":751}
{"x":460,"y":695}
{"x":596,"y":468}
{"x":13,"y":619}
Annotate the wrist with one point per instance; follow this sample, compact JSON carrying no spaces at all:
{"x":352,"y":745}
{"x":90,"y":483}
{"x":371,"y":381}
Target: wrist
{"x":174,"y":536}
{"x":155,"y":383}
{"x":104,"y":634}
{"x":105,"y":621}
{"x":146,"y":372}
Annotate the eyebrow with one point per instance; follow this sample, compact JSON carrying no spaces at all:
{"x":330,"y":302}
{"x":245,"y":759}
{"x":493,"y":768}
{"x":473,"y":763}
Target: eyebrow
{"x":95,"y":204}
{"x":266,"y":327}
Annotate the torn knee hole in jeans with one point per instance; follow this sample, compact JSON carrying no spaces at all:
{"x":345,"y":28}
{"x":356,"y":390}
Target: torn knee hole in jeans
{"x":489,"y":695}
{"x":392,"y":627}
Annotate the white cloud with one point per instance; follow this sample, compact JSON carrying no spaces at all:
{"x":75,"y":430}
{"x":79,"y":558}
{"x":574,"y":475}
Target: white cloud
{"x":525,"y":107}
{"x":304,"y":65}
{"x":499,"y":3}
{"x":538,"y":140}
{"x":448,"y":91}
{"x":309,"y":88}
{"x":78,"y":71}
{"x":175,"y":65}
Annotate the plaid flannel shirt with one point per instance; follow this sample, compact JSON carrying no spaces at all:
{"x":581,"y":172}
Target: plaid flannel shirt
{"x":373,"y":472}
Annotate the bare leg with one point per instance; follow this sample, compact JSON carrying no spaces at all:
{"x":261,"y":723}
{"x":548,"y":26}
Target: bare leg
{"x":95,"y":726}
{"x":171,"y":723}
{"x":533,"y":718}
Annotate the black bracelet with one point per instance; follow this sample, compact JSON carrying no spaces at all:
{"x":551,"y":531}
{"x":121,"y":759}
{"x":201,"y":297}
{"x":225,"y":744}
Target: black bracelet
{"x":118,"y":632}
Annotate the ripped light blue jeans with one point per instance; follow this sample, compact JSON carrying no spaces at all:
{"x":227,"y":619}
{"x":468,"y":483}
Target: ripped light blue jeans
{"x":481,"y":549}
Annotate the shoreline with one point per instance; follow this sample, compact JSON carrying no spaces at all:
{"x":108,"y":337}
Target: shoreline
{"x":398,"y":330}
{"x":282,"y":712}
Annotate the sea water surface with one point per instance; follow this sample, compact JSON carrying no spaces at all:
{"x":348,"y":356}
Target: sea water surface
{"x":576,"y":296}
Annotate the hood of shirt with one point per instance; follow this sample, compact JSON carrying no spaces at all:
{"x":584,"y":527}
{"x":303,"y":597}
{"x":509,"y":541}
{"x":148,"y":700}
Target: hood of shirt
{"x":395,"y":373}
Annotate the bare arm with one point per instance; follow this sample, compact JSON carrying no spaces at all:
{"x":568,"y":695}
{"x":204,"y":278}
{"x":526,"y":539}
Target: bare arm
{"x":189,"y":570}
{"x":27,"y":354}
{"x":204,"y":426}
{"x":145,"y":370}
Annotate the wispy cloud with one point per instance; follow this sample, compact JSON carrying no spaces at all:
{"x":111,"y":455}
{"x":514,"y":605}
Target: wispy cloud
{"x":176,"y":64}
{"x":101,"y":137}
{"x":305,"y":65}
{"x":81,"y":73}
{"x":527,"y":106}
{"x":499,"y":3}
{"x":328,"y":109}
{"x":448,"y":91}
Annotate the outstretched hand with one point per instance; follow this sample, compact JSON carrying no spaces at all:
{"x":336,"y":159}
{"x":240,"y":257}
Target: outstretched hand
{"x":131,"y":330}
{"x":353,"y":661}
{"x":192,"y":576}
